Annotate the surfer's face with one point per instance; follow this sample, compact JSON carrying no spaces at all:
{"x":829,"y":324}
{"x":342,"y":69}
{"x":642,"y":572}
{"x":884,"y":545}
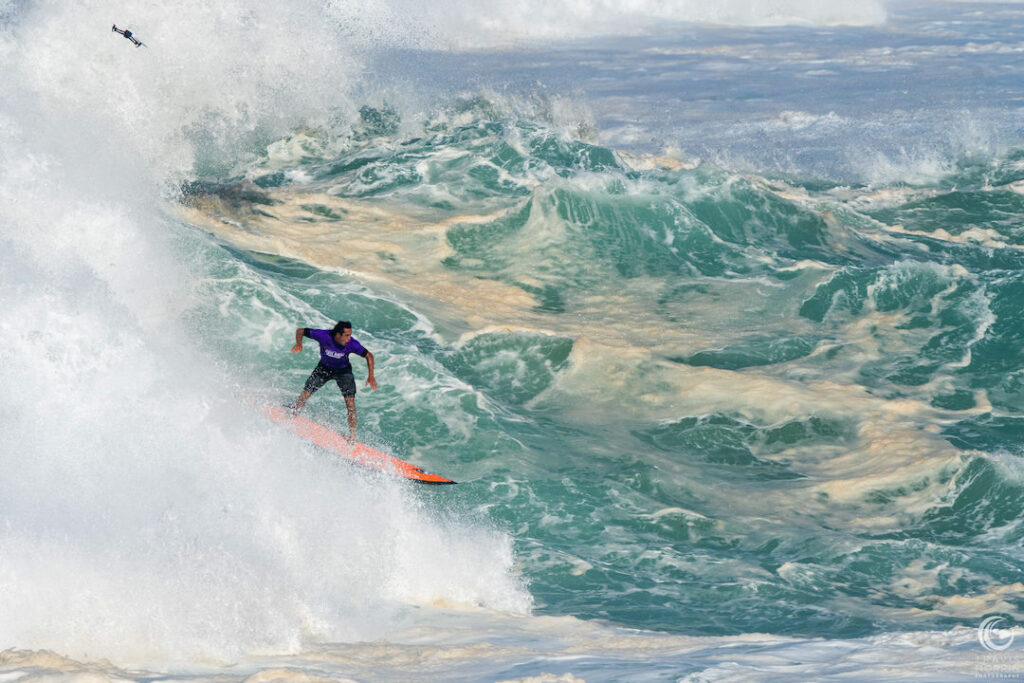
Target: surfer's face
{"x":342,"y":337}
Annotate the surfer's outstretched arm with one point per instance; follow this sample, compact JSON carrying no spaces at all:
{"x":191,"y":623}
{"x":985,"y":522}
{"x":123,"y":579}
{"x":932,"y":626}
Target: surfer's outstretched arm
{"x":299,"y":333}
{"x":370,"y":380}
{"x":304,"y":396}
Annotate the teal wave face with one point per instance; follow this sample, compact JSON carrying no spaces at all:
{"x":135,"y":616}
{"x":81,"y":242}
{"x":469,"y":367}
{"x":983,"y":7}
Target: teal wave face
{"x":513,"y":368}
{"x":730,"y":404}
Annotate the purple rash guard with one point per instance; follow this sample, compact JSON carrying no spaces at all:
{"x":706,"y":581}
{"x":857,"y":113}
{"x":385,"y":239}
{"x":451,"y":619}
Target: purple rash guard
{"x":332,"y":355}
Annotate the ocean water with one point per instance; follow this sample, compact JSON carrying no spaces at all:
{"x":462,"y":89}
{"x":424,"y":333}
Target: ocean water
{"x":713,"y":312}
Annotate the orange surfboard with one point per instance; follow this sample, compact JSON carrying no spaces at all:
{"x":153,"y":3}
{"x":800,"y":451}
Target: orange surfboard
{"x":351,"y":450}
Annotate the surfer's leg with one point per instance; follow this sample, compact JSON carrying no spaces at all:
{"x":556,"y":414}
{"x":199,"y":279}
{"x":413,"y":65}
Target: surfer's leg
{"x":347,"y":384}
{"x":300,"y":401}
{"x":350,"y":403}
{"x":317,"y":379}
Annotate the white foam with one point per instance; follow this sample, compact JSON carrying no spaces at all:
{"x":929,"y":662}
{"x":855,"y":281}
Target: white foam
{"x":480,"y":646}
{"x":460,"y":23}
{"x":207,"y":76}
{"x":146,"y":513}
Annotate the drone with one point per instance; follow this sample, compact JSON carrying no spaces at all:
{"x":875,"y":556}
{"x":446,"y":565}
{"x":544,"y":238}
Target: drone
{"x":127,"y":34}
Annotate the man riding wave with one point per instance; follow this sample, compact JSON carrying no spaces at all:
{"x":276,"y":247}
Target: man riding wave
{"x":335,"y":347}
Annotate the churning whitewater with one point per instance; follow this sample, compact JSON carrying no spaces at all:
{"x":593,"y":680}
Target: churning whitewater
{"x":713,"y":314}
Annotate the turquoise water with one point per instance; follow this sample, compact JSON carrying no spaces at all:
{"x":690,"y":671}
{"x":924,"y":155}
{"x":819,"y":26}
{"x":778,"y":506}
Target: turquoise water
{"x":577,"y":428}
{"x":715,"y":323}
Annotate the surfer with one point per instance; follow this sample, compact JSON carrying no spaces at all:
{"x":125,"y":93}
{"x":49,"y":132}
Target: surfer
{"x":127,"y":34}
{"x":335,"y":346}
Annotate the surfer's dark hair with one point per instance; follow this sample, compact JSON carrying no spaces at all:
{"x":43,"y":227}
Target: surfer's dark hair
{"x":341,"y":327}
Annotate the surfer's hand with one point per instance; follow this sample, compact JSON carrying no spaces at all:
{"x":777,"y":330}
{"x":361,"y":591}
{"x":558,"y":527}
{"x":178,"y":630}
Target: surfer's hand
{"x":296,"y":348}
{"x":372,"y":383}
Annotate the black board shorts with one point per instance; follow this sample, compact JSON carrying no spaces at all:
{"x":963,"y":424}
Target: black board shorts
{"x":322,"y":374}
